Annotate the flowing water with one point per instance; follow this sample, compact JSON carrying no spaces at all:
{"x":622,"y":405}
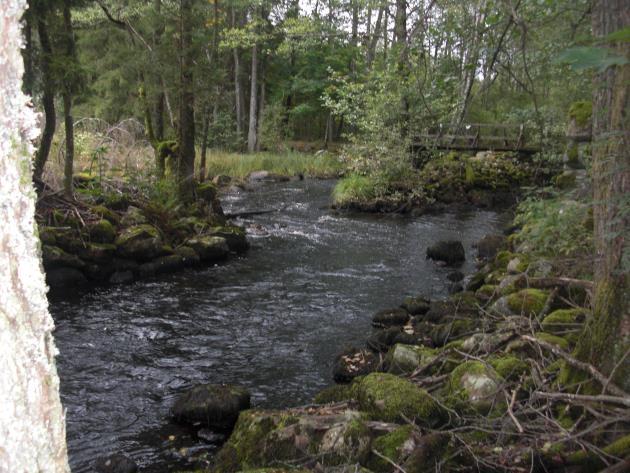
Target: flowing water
{"x":272,"y":320}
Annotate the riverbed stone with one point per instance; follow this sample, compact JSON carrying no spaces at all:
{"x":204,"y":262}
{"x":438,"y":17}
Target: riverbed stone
{"x":449,"y":251}
{"x":216,"y":406}
{"x":390,"y":317}
{"x":162,"y":265}
{"x":209,"y":248}
{"x":189,"y":256}
{"x":121,"y":277}
{"x":116,"y":463}
{"x":104,"y":213}
{"x":98,"y":252}
{"x":388,"y":398}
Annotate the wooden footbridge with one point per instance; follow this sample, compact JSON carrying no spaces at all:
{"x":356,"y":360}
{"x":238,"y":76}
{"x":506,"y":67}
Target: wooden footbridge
{"x":478,"y":137}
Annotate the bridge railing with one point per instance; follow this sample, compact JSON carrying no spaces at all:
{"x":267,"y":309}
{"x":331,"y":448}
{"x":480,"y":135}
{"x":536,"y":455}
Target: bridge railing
{"x":477,"y":136}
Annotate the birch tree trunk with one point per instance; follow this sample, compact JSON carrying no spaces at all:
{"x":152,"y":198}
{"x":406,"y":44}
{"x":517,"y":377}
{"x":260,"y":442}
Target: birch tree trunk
{"x":32,"y":425}
{"x":253,"y":102}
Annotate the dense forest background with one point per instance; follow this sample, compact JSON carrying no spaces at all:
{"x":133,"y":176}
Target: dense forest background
{"x":273,"y":75}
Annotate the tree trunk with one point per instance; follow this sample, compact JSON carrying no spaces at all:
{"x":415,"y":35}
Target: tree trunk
{"x":238,"y":88}
{"x":400,"y":32}
{"x":158,"y":108}
{"x":186,"y":141}
{"x":606,"y":340}
{"x":204,"y":144}
{"x":48,"y":100}
{"x":32,"y":425}
{"x":374,"y":40}
{"x":253,"y":102}
{"x":261,"y":103}
{"x":27,"y":53}
{"x":67,"y":101}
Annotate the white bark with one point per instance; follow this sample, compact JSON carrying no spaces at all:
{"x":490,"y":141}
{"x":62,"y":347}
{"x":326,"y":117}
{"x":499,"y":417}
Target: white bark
{"x":32,"y":426}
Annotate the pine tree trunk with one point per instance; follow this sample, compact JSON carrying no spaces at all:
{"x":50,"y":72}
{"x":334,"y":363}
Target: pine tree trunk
{"x":186,"y":158}
{"x":253,"y":102}
{"x":32,"y":425}
{"x":48,"y":100}
{"x":67,"y":102}
{"x":606,"y":340}
{"x":238,"y":88}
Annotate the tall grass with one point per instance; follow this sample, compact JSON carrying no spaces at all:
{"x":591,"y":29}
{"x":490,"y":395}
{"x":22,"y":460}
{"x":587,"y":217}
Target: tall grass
{"x":239,"y":166}
{"x":354,"y":188}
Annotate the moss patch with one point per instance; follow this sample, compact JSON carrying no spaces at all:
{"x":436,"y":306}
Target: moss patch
{"x":389,"y":445}
{"x":527,"y":301}
{"x":389,"y":398}
{"x":509,"y":367}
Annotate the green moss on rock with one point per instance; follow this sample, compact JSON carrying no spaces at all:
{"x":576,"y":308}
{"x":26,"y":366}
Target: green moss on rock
{"x":564,"y":321}
{"x":509,"y":367}
{"x":389,"y":398}
{"x":581,"y":112}
{"x":102,"y":231}
{"x":476,"y":384}
{"x":527,"y":301}
{"x":389,"y":445}
{"x":403,"y":359}
{"x":553,"y":339}
{"x":336,"y":393}
{"x":105,"y":213}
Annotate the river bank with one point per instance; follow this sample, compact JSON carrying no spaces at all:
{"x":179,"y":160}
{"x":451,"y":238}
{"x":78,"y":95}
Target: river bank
{"x":482,"y":380}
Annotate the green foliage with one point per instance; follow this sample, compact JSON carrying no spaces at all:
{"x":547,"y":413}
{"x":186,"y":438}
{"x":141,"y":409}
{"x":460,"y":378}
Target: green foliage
{"x":581,"y":112}
{"x":588,"y":57}
{"x":555,"y":227}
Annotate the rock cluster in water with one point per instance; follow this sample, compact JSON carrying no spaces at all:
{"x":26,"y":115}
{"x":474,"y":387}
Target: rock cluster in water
{"x":121,"y":239}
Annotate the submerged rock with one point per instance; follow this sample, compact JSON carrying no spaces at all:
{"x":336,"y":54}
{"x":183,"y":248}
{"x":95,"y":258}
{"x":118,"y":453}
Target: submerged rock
{"x":116,"y":463}
{"x":121,"y":277}
{"x":235,"y":237}
{"x":449,"y":251}
{"x":216,"y":406}
{"x":65,"y":278}
{"x":161,"y":265}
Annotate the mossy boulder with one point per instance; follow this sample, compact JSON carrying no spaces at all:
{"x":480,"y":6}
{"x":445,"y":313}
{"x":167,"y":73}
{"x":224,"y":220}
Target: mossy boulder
{"x":139,"y":242}
{"x":388,"y":398}
{"x":487,"y":292}
{"x":216,"y":406}
{"x":403,"y":359}
{"x":104,"y":213}
{"x":98,"y":252}
{"x":560,"y":342}
{"x":397,"y":446}
{"x":117,"y":201}
{"x":417,"y":305}
{"x":453,"y":329}
{"x":65,"y":278}
{"x":565,"y":321}
{"x":509,"y":366}
{"x":47,"y":236}
{"x":476,"y":384}
{"x":331,"y":394}
{"x":450,"y":252}
{"x":209,"y":248}
{"x":54,"y":257}
{"x":527,"y":301}
{"x":390,"y":317}
{"x":234,"y":236}
{"x":133,"y":216}
{"x":102,"y":231}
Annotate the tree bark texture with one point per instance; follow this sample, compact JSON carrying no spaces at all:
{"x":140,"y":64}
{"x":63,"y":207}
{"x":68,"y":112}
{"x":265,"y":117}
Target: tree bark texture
{"x":32,"y":425}
{"x":67,"y":102}
{"x":606,"y":341}
{"x":253,"y":103}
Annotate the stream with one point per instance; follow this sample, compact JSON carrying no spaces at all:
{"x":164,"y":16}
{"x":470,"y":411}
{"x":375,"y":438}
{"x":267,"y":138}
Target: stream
{"x":272,"y":320}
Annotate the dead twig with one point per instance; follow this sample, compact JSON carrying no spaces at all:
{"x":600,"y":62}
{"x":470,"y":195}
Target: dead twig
{"x":623,"y":401}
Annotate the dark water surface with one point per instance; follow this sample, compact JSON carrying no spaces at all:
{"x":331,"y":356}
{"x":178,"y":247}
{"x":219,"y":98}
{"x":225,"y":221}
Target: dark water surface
{"x":272,"y":320}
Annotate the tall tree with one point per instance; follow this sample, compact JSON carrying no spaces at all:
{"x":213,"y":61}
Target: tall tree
{"x":48,"y":96}
{"x":32,"y":426}
{"x":69,"y":86}
{"x":252,"y":133}
{"x":606,"y":343}
{"x":186,"y":156}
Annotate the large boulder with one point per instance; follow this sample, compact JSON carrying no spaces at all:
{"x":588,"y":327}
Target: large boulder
{"x":449,"y":251}
{"x":234,"y":237}
{"x":525,"y":302}
{"x":489,"y":246}
{"x":209,"y":248}
{"x":418,"y":305}
{"x":216,"y":406}
{"x":476,"y":384}
{"x":133,"y":216}
{"x":139,"y":242}
{"x":388,"y":398}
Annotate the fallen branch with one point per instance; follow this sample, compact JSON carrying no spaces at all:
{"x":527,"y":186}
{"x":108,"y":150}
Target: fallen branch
{"x":603,"y":380}
{"x":388,"y":460}
{"x":622,"y":401}
{"x":547,"y":283}
{"x":510,"y":411}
